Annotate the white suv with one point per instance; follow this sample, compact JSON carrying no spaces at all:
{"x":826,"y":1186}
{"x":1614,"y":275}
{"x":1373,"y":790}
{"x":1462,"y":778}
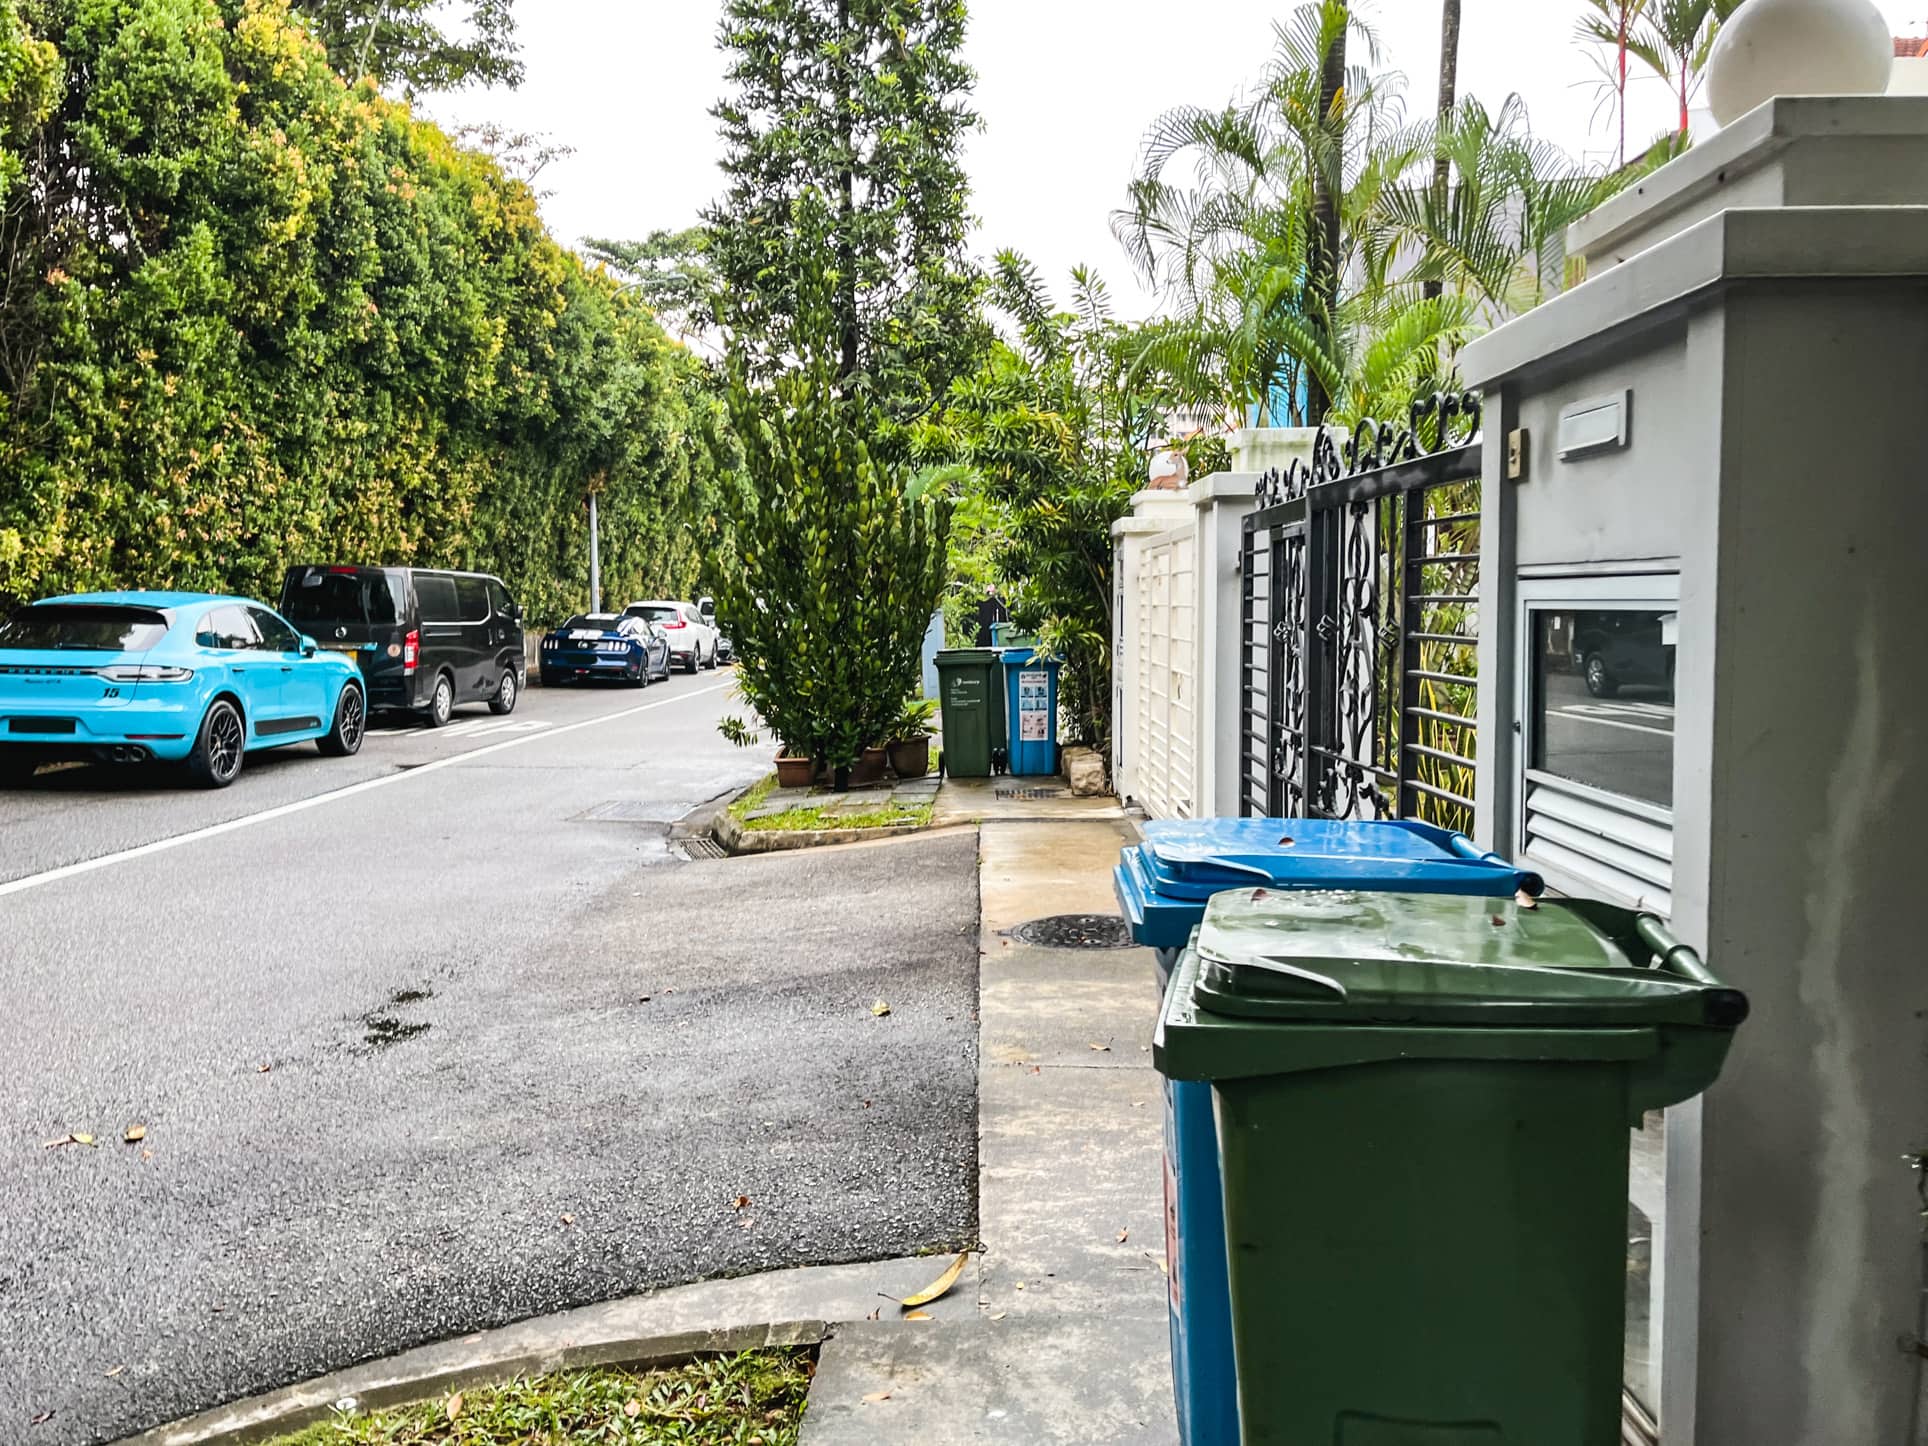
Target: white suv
{"x":692,"y":636}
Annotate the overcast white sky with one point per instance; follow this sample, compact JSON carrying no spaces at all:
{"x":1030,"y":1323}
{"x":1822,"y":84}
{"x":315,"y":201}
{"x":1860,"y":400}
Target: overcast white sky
{"x":1066,"y":89}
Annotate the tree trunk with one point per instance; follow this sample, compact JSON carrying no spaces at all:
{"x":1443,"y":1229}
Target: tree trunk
{"x":1448,"y":97}
{"x":1326,"y":182}
{"x":846,"y":208}
{"x":1625,"y":19}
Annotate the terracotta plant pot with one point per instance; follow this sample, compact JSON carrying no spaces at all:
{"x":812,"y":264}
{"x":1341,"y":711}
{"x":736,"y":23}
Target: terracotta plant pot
{"x":911,"y":757}
{"x":870,"y":767}
{"x":795,"y":772}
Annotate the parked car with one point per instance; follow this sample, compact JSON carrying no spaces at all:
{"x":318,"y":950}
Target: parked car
{"x":426,"y":640}
{"x":604,"y":645}
{"x":1612,"y":649}
{"x":692,"y":637}
{"x":725,"y":649}
{"x":192,"y":678}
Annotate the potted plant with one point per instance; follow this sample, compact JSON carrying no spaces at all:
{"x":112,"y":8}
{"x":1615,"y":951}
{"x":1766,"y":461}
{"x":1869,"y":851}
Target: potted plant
{"x":794,"y":770}
{"x":910,"y":738}
{"x":870,"y":765}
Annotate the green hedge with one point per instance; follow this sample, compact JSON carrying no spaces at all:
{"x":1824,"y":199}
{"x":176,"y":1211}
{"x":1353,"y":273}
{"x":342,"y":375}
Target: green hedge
{"x":251,"y":314}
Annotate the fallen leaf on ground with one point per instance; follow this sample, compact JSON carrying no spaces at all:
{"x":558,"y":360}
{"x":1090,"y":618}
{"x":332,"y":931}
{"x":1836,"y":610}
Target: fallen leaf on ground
{"x":643,"y":999}
{"x":135,"y":1134}
{"x":1102,"y":1048}
{"x":42,"y":1419}
{"x":1124,"y":1234}
{"x":880,"y":1009}
{"x":147,"y":1154}
{"x":743,"y":1202}
{"x":632,"y":1409}
{"x":918,"y":1315}
{"x":873,"y":1396}
{"x":113,"y":1373}
{"x":454,"y":1407}
{"x":939,"y":1287}
{"x":80,"y":1139}
{"x":263,"y":1069}
{"x":56,"y":1144}
{"x":1000,"y":1315}
{"x":568,"y":1220}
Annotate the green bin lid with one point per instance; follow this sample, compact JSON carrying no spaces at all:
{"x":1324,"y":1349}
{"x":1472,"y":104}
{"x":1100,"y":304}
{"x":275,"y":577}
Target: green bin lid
{"x":1426,"y":960}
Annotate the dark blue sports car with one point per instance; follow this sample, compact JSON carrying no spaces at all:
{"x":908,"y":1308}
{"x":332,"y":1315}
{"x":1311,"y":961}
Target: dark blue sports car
{"x":604,"y":645}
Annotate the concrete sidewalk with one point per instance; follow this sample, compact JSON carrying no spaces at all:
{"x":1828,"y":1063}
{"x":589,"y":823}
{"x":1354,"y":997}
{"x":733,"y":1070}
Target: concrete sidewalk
{"x":1069,"y":1339}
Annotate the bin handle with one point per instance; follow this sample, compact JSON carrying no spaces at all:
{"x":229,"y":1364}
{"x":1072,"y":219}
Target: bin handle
{"x":1674,"y":956}
{"x":1272,"y":964}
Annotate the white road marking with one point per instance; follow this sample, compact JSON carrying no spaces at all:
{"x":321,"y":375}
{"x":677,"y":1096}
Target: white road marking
{"x":1581,"y":715}
{"x":479,"y":727}
{"x":301,"y":805}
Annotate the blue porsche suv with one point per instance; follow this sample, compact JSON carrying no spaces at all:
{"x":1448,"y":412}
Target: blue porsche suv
{"x":189,"y":678}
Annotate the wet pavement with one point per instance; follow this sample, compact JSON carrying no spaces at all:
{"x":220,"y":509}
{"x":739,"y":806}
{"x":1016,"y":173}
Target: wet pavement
{"x":468,"y":1045}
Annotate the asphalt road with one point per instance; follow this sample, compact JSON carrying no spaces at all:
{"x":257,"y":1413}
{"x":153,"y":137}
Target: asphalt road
{"x":443,"y":1037}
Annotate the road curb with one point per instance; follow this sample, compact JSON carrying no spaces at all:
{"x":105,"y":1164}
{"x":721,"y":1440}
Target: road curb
{"x":380,"y":1385}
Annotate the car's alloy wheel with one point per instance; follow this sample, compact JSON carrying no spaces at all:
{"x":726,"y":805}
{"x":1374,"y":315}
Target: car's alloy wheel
{"x":505,"y":693}
{"x":639,"y":674}
{"x":216,"y":759}
{"x":442,"y":704}
{"x":351,"y":719}
{"x":1600,"y":682}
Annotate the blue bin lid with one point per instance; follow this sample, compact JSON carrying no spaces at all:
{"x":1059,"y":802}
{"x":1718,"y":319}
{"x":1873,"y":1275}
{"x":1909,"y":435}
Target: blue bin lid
{"x":1187,"y":855}
{"x":1164,"y":883}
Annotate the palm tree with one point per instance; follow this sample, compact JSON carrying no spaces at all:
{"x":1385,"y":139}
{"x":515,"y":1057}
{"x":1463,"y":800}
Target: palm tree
{"x":1256,"y":320}
{"x":1611,"y":23}
{"x":1498,"y":232}
{"x":1674,"y":40}
{"x":1264,"y":259}
{"x":1448,"y":96}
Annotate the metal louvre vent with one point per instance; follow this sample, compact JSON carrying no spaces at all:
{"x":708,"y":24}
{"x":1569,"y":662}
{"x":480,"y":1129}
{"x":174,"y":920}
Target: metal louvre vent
{"x":1621,"y":848}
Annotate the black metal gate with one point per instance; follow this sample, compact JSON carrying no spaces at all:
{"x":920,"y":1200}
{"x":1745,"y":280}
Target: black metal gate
{"x":1358,"y":640}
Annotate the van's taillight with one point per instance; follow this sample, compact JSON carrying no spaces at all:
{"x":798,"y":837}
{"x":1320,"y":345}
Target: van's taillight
{"x":411,"y":650}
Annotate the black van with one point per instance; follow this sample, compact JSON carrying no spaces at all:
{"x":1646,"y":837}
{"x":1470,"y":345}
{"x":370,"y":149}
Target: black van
{"x":426,"y":639}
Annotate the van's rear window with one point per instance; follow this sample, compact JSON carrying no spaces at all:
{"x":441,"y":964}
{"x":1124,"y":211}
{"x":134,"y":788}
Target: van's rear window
{"x":321,"y":595}
{"x":93,"y":627}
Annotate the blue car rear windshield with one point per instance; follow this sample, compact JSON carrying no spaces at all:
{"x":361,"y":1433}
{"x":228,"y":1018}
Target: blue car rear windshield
{"x":88,"y":627}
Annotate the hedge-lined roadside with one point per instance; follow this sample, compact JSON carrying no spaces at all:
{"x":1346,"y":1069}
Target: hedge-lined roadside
{"x":251,"y":314}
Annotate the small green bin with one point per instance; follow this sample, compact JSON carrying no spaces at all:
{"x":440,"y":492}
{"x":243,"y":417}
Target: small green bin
{"x":970,"y":690}
{"x":1423,"y":1107}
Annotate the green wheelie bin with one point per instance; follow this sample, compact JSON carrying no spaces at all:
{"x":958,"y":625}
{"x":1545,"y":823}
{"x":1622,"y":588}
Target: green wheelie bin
{"x":970,"y":690}
{"x":1423,"y":1109}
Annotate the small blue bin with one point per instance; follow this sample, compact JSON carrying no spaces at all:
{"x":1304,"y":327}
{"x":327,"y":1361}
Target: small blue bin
{"x":1162,"y":887}
{"x":1031,"y":696}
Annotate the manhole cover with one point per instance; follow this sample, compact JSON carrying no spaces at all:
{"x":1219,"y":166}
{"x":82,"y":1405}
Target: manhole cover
{"x":1076,"y":931}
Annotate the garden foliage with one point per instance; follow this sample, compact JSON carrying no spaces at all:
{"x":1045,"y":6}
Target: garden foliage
{"x":252,"y":314}
{"x":838,"y":571}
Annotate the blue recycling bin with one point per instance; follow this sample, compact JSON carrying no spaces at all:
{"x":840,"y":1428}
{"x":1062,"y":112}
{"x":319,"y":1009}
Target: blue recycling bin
{"x":1031,"y":696}
{"x":1162,"y":886}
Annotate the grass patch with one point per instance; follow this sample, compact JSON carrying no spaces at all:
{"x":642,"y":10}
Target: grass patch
{"x":812,"y":816}
{"x":754,"y":1399}
{"x":758,"y":791}
{"x":888,"y":815}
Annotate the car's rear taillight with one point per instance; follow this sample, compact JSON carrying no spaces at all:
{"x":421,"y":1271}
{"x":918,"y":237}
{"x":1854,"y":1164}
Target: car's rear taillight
{"x":411,"y":650}
{"x":679,"y":623}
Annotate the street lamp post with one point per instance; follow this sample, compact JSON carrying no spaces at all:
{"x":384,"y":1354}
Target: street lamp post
{"x":595,"y":560}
